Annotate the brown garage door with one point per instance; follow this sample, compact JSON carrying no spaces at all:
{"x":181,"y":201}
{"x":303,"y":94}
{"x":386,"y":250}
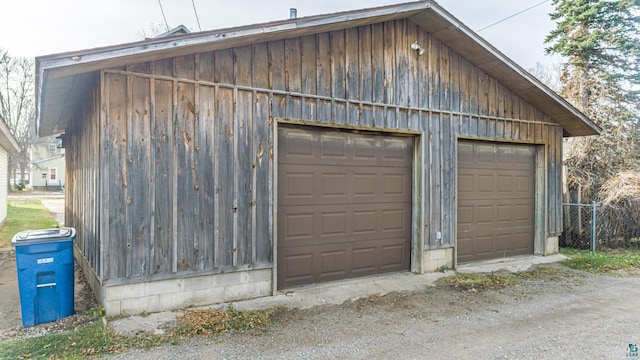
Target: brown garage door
{"x":495,"y":200}
{"x":344,"y":205}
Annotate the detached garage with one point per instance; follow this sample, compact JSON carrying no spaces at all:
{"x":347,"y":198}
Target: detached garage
{"x":235,"y":163}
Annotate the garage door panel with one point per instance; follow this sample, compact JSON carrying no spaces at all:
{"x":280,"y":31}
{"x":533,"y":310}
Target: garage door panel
{"x":345,"y":211}
{"x":465,"y":152}
{"x":525,"y":154}
{"x":511,"y":244}
{"x":336,"y":261}
{"x":365,"y":150}
{"x":496,"y":201}
{"x":504,"y":212}
{"x":333,"y":262}
{"x":394,"y":256}
{"x":466,"y":183}
{"x":296,"y":147}
{"x":333,"y":147}
{"x":505,"y":183}
{"x":484,"y":244}
{"x":524,"y":183}
{"x":465,"y":215}
{"x":333,"y":185}
{"x":297,"y":186}
{"x":505,"y":154}
{"x":395,"y":150}
{"x":523,"y":212}
{"x":333,"y":223}
{"x":486,"y":153}
{"x":485,"y":214}
{"x":394,"y":220}
{"x":365,"y":222}
{"x":485,"y":183}
{"x":343,"y":148}
{"x":365,"y":184}
{"x":324,"y":184}
{"x":490,"y":213}
{"x":298,"y":226}
{"x":298,"y":266}
{"x":365,"y":259}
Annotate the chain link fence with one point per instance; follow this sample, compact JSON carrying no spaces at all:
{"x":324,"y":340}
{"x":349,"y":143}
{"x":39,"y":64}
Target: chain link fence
{"x":580,"y":225}
{"x":591,"y":226}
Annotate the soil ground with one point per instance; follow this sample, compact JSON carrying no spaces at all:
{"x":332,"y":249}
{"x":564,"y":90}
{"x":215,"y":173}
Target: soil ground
{"x":10,"y":316}
{"x":557,"y":314}
{"x":10,"y":313}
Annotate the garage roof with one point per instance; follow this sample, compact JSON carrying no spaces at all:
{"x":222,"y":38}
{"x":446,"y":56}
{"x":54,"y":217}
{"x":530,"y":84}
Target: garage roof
{"x":7,"y":141}
{"x":63,"y":79}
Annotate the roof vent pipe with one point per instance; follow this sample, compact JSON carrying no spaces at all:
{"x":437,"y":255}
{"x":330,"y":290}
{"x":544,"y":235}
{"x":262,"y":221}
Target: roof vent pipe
{"x":293,"y":13}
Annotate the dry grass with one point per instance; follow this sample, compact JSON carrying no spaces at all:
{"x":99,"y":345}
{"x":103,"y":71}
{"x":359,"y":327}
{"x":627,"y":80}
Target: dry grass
{"x":478,"y":282}
{"x":214,"y":322}
{"x":619,"y":219}
{"x":620,"y":188}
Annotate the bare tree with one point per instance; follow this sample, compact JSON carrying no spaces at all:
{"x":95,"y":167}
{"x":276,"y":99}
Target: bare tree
{"x":152,"y":31}
{"x":548,"y":74}
{"x":17,"y":106}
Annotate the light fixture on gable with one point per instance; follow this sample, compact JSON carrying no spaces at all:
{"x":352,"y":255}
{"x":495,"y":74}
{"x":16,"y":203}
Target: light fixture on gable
{"x":415,"y":46}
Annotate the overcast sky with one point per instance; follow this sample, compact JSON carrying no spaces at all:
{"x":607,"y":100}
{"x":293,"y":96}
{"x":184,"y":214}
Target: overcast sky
{"x":42,"y":27}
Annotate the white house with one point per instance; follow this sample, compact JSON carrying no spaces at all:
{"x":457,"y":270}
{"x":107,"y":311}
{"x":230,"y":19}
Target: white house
{"x":7,"y":145}
{"x":47,"y":165}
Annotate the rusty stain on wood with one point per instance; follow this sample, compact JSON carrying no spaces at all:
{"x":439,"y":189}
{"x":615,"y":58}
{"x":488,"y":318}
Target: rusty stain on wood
{"x":260,"y":152}
{"x":187,"y":138}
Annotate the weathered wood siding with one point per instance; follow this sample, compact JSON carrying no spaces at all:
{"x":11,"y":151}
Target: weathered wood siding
{"x":187,"y":143}
{"x":83,"y":177}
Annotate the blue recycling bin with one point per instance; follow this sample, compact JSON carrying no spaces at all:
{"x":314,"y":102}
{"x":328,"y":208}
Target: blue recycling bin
{"x":44,"y":259}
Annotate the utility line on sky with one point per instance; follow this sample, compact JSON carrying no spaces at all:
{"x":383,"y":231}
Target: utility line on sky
{"x":163,"y":16}
{"x":509,"y":17}
{"x":193,"y":2}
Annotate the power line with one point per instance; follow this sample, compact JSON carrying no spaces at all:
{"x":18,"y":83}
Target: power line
{"x":509,"y":17}
{"x":163,"y":16}
{"x":196,"y":12}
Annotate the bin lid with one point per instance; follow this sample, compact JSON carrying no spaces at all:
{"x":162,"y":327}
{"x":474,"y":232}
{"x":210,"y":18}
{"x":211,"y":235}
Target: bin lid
{"x":44,"y":235}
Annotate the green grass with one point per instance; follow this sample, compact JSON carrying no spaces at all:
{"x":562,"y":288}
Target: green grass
{"x":602,"y":262}
{"x":88,"y":339}
{"x":24,"y":214}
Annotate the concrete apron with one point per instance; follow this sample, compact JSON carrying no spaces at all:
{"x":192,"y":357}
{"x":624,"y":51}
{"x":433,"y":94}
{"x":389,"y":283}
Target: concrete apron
{"x":56,"y":207}
{"x":338,"y":292}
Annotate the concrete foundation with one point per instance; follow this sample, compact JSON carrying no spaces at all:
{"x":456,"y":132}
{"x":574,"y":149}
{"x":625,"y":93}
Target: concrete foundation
{"x":551,"y":246}
{"x":185,"y":292}
{"x":434,"y":260}
{"x":171,"y":294}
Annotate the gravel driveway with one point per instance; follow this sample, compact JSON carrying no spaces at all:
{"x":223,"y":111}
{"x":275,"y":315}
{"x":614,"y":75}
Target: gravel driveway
{"x":562,"y":315}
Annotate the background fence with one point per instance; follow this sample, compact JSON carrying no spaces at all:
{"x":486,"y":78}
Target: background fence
{"x":591,"y":226}
{"x":580,"y":225}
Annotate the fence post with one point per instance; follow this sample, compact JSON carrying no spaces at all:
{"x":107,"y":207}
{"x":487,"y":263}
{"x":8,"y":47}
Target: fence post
{"x":593,"y":226}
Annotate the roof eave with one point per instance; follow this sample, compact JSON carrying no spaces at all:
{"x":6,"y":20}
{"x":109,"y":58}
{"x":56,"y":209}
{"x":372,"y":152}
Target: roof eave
{"x":427,"y":14}
{"x":76,"y":62}
{"x":446,"y":28}
{"x":7,"y":141}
